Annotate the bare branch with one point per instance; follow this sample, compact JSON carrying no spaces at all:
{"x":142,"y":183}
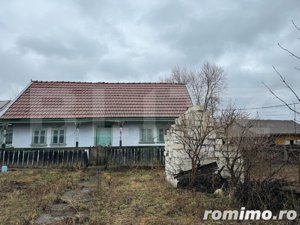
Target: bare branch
{"x":280,"y":99}
{"x":285,"y":83}
{"x":291,"y":53}
{"x":205,"y":84}
{"x":298,"y":28}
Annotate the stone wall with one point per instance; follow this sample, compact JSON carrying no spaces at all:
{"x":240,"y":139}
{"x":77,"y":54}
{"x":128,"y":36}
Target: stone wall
{"x":176,"y":157}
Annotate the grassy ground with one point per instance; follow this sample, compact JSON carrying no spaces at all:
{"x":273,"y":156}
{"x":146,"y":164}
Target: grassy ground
{"x":144,"y":197}
{"x":26,"y":194}
{"x":118,"y":197}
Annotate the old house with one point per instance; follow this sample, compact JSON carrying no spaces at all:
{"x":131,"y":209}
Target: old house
{"x":69,"y":114}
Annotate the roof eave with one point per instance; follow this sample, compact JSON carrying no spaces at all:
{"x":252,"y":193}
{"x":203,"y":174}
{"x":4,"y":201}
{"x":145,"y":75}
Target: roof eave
{"x":86,"y":120}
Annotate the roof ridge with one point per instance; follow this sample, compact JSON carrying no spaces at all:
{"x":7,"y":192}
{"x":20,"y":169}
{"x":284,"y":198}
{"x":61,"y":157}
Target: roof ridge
{"x":102,"y":82}
{"x":265,"y":119}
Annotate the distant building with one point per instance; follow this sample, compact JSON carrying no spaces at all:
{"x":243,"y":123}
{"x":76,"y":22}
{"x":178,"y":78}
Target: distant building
{"x":3,"y":106}
{"x":283,"y":132}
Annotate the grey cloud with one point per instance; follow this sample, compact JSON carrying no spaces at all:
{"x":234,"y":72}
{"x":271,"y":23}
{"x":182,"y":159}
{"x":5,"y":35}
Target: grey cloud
{"x":68,"y":47}
{"x":143,"y":40}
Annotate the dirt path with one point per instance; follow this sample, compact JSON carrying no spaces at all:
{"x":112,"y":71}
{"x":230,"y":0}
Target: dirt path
{"x":69,"y":208}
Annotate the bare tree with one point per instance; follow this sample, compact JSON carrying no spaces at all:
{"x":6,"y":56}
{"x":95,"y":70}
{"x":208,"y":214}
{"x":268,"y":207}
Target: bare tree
{"x":195,"y":131}
{"x":230,"y":153}
{"x":205,"y":85}
{"x":243,"y":147}
{"x":178,"y":75}
{"x":282,"y":78}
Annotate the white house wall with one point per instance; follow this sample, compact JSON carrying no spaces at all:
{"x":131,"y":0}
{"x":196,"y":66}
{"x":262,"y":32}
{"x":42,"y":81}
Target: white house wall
{"x":22,"y":134}
{"x":131,"y":134}
{"x":86,"y":135}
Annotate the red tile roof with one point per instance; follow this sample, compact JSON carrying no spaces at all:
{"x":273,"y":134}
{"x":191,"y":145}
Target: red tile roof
{"x":49,"y":100}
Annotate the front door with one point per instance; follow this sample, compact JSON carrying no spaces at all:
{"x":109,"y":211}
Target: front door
{"x":103,"y":136}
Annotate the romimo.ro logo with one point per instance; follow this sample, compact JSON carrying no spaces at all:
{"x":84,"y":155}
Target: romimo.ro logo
{"x":244,"y":214}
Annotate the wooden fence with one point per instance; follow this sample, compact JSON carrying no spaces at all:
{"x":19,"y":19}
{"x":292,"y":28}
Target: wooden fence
{"x":44,"y":157}
{"x":82,"y":157}
{"x":128,"y":156}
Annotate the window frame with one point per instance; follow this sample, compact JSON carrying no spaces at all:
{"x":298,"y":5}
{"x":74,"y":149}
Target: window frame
{"x":9,"y":133}
{"x":58,"y":136}
{"x":39,"y":137}
{"x":1,"y":136}
{"x":149,"y":136}
{"x":158,"y":134}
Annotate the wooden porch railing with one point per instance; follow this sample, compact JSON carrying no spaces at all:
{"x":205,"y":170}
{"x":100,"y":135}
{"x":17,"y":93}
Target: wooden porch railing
{"x":82,"y":157}
{"x":44,"y":157}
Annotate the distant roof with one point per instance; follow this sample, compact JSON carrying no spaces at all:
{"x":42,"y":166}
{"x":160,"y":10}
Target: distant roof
{"x":271,"y":126}
{"x":48,"y":99}
{"x":3,"y":104}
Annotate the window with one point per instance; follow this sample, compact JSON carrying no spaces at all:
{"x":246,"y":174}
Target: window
{"x":39,"y":137}
{"x":161,"y":134}
{"x":9,"y":136}
{"x":58,"y":136}
{"x":1,"y":136}
{"x":146,"y":135}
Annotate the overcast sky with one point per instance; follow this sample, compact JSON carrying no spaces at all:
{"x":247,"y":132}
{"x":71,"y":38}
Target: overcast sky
{"x":121,"y":41}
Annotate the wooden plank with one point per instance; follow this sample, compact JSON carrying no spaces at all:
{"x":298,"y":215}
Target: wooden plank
{"x":27,"y":161}
{"x":2,"y":157}
{"x":53,"y":159}
{"x":8,"y":156}
{"x":72,"y":164}
{"x":38,"y":158}
{"x":33,"y":158}
{"x":67,"y":163}
{"x":63,"y":156}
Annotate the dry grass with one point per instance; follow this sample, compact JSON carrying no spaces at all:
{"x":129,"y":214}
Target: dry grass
{"x":119,"y":197}
{"x":26,"y":194}
{"x":144,"y":197}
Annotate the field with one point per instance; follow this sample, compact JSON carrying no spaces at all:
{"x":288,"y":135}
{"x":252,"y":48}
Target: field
{"x":101,"y":197}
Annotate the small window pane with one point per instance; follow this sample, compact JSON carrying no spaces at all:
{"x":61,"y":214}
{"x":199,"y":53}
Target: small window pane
{"x":143,"y":135}
{"x":149,"y":135}
{"x":36,"y":140}
{"x":61,"y":139}
{"x":1,"y":136}
{"x":42,"y":140}
{"x":55,"y":139}
{"x":161,"y":135}
{"x":9,"y":135}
